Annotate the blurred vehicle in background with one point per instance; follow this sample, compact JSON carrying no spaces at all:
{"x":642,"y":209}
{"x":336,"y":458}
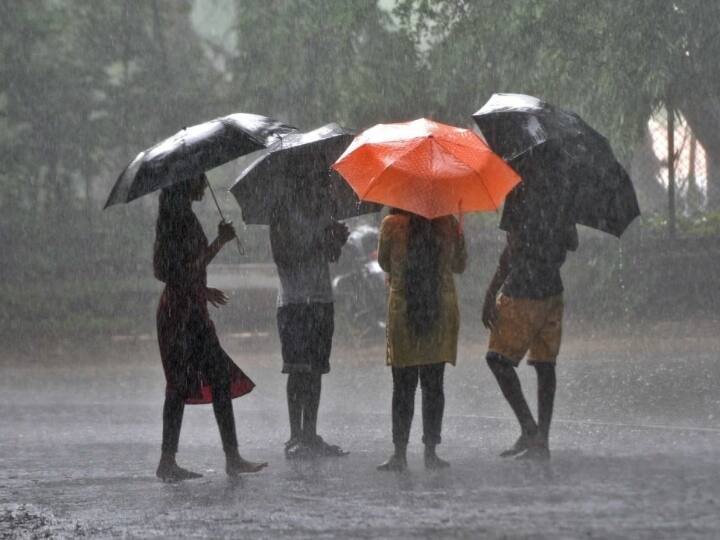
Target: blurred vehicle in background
{"x":359,"y":286}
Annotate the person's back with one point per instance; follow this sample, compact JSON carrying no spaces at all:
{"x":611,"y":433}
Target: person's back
{"x":451,"y":258}
{"x":420,"y":256}
{"x":539,"y":238}
{"x":434,"y":342}
{"x":179,"y":239}
{"x":297,"y":239}
{"x":526,"y":317}
{"x":304,"y":239}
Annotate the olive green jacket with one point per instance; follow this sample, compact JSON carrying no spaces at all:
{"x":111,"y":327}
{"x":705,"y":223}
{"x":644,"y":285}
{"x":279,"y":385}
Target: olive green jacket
{"x":405,"y":349}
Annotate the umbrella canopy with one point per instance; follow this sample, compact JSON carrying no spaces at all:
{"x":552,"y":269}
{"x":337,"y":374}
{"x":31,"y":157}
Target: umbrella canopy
{"x":194,"y":150}
{"x":514,"y":123}
{"x":297,"y":161}
{"x":558,"y":153}
{"x":427,"y":168}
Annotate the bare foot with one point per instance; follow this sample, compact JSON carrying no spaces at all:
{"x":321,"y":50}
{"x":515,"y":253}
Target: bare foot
{"x":395,"y":463}
{"x":171,"y":472}
{"x":520,"y":446}
{"x":433,"y":462}
{"x":237,"y":465}
{"x":537,"y":452}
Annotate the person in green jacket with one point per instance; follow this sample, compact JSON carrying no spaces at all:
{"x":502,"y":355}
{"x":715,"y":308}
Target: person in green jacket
{"x":420,"y":256}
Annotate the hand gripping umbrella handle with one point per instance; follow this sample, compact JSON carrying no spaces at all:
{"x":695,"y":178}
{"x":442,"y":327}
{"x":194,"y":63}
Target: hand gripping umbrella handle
{"x":241,"y":250}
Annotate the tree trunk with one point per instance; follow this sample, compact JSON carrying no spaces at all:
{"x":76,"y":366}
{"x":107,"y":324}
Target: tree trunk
{"x":713,"y":182}
{"x":693,"y":197}
{"x":671,"y":170}
{"x":703,"y":115}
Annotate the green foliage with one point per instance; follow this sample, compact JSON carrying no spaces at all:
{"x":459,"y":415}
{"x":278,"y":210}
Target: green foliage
{"x":77,"y":308}
{"x":84,"y":85}
{"x":701,"y":225}
{"x":312,"y":62}
{"x":612,"y":62}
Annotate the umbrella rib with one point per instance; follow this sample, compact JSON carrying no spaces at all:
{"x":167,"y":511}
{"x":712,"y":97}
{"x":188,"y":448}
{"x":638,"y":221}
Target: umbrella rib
{"x":476,"y":172}
{"x":372,"y":182}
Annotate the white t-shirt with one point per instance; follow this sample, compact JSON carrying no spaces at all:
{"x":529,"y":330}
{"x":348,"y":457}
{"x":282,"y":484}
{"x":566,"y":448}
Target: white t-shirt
{"x":302,"y":263}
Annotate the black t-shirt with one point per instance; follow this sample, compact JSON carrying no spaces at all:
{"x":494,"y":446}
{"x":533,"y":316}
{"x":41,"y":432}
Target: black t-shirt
{"x":539,"y":237}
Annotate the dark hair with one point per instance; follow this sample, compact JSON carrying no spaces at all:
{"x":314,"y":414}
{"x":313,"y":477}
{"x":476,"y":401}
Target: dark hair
{"x":171,"y":225}
{"x":176,"y":197}
{"x":422,"y":276}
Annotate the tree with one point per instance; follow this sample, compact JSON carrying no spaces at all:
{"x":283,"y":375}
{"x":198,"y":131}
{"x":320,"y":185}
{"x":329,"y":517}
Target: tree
{"x":613,"y":62}
{"x":79,"y":82}
{"x":313,"y":62}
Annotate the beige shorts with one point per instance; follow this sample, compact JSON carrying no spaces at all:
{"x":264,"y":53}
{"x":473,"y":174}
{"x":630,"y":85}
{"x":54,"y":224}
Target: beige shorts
{"x":527,"y":326}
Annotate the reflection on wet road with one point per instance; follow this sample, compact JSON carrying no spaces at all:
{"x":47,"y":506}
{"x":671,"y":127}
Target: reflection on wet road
{"x":78,"y":446}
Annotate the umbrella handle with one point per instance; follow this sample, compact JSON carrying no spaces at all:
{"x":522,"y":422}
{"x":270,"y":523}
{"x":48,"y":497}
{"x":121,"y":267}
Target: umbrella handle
{"x":241,"y":250}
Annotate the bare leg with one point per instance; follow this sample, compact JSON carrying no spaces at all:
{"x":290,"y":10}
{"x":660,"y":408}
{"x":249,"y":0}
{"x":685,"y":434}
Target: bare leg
{"x":168,"y":470}
{"x":295,"y":386}
{"x":303,"y":402}
{"x":313,"y":387}
{"x":512,"y":390}
{"x":539,"y":448}
{"x":173,"y":410}
{"x":222,"y":407}
{"x":546,"y":398}
{"x":317,"y":445}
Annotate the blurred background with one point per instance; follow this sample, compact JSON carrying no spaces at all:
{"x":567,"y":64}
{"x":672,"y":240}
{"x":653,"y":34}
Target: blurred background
{"x":85,"y":85}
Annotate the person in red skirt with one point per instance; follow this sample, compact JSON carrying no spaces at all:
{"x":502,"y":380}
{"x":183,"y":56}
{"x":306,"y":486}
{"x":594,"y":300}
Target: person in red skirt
{"x":197,"y":369}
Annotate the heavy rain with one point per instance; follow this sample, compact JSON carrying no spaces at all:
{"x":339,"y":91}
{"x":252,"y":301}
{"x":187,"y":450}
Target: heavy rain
{"x":243,"y":241}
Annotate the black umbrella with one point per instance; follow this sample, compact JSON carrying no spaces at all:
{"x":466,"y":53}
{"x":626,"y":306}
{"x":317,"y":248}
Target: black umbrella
{"x":578,"y":163}
{"x":194,"y":150}
{"x":286,"y":167}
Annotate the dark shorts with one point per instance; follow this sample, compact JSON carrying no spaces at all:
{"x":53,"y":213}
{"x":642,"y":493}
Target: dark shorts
{"x":306,"y":332}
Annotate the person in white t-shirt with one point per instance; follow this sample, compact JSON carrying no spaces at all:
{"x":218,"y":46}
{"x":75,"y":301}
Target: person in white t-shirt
{"x":304,"y":239}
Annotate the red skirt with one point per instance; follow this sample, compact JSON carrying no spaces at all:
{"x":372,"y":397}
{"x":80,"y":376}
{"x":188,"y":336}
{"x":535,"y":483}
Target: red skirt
{"x":189,"y":347}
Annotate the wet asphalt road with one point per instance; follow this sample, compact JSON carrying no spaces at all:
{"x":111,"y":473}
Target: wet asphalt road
{"x":636,"y":451}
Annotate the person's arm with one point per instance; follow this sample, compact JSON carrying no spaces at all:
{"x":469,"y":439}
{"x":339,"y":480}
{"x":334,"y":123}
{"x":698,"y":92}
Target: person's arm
{"x":489,"y":312}
{"x":335,"y":236}
{"x":226,"y":232}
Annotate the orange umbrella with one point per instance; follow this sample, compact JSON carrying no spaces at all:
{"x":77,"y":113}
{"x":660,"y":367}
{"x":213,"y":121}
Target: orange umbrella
{"x":427,"y":168}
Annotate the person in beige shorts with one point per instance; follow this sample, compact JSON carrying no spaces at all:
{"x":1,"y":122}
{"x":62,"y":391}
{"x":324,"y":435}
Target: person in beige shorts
{"x":527,"y":326}
{"x":523,"y":308}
